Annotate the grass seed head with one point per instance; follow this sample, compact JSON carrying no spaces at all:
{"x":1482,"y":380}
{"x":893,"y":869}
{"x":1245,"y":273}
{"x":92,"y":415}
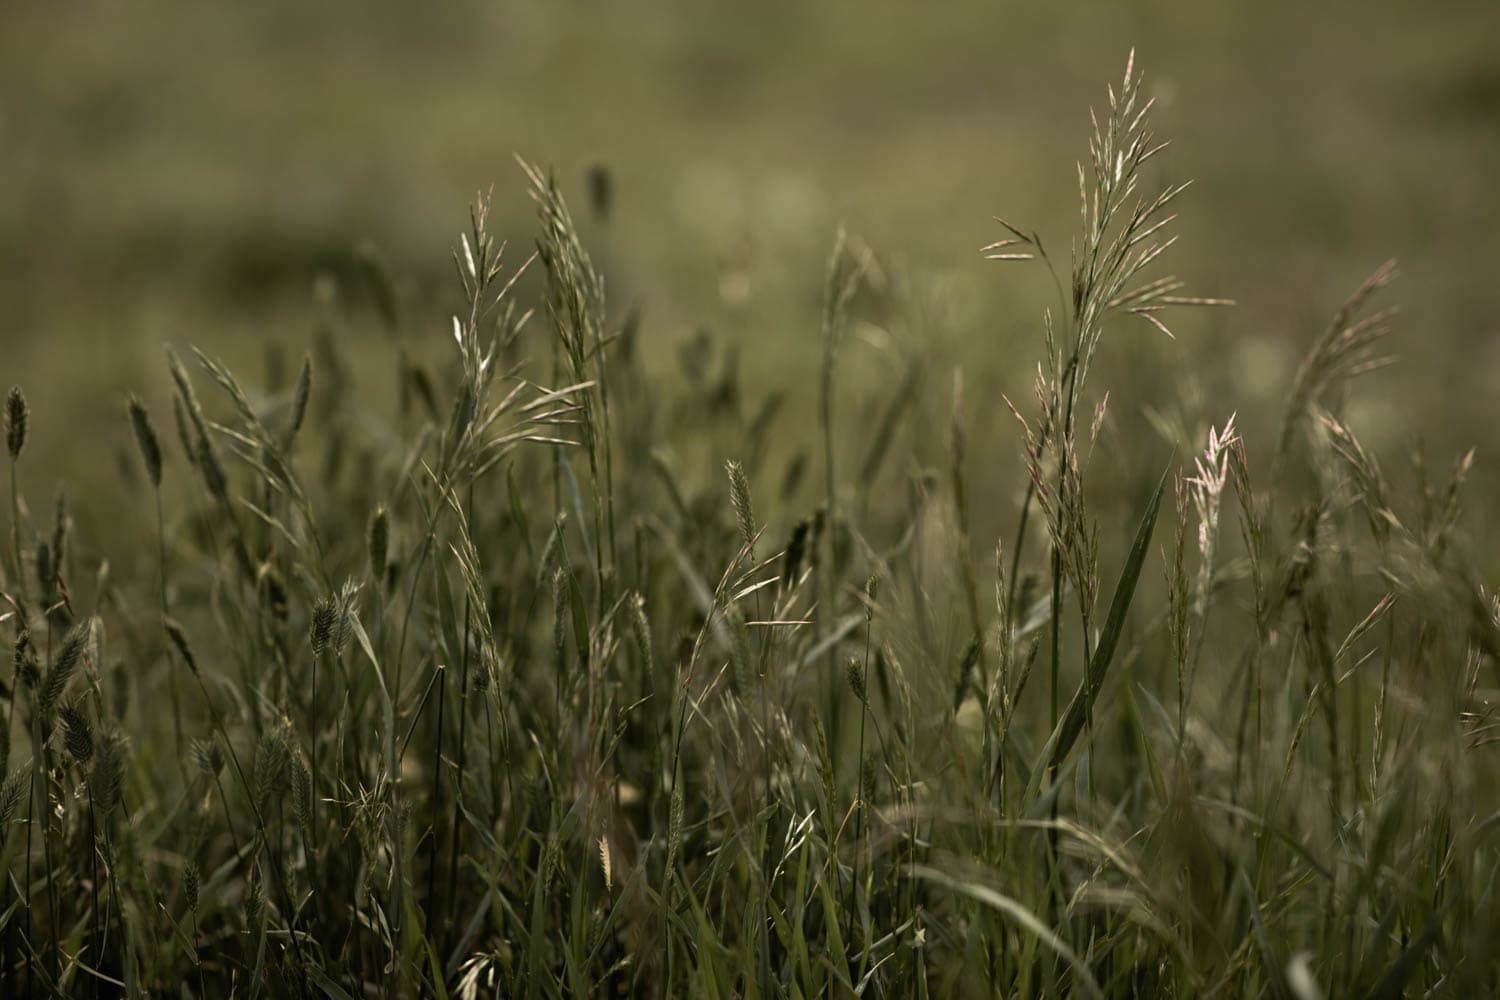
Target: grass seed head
{"x":739,"y":498}
{"x":207,"y":757}
{"x":16,"y":415}
{"x":146,"y":440}
{"x":179,"y":639}
{"x":78,"y":734}
{"x":63,"y":668}
{"x":379,"y":540}
{"x":324,"y":623}
{"x":300,"y":396}
{"x":190,"y":884}
{"x":12,"y":794}
{"x":108,"y":777}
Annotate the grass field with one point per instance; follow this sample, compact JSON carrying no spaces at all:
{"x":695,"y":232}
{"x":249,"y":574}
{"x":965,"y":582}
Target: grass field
{"x":659,"y":589}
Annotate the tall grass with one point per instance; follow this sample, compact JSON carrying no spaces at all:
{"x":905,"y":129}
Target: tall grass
{"x":476,"y":691}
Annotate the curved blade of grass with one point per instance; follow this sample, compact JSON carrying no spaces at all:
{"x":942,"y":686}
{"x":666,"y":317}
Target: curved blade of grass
{"x":1021,"y":915}
{"x":1066,"y":734}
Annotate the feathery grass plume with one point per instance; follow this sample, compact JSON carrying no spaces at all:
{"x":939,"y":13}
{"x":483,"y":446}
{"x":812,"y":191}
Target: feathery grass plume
{"x":78,"y":734}
{"x":575,"y":307}
{"x":1206,"y":489}
{"x":146,"y":440}
{"x":739,"y":498}
{"x":1346,"y":350}
{"x":68,"y":657}
{"x":1364,"y":473}
{"x":1124,"y":232}
{"x":16,"y":414}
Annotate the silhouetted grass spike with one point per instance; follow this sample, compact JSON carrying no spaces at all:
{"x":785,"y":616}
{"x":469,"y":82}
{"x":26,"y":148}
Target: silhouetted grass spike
{"x":184,"y":433}
{"x":191,"y":879}
{"x":378,"y":542}
{"x":108,"y":776}
{"x":207,"y":757}
{"x":146,"y":440}
{"x":300,"y":395}
{"x":63,"y":667}
{"x":78,"y":734}
{"x":179,"y":638}
{"x":16,"y":414}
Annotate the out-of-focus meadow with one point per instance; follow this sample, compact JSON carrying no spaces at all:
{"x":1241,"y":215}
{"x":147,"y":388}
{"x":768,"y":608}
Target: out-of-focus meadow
{"x":199,"y":173}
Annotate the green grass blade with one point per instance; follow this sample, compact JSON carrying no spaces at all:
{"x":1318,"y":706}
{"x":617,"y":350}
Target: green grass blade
{"x":1021,"y":915}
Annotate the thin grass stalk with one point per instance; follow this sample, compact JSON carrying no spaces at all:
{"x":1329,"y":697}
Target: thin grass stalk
{"x":437,"y":798}
{"x":456,"y":842}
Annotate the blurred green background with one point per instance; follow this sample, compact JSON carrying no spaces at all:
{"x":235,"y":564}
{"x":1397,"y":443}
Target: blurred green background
{"x":195,"y":173}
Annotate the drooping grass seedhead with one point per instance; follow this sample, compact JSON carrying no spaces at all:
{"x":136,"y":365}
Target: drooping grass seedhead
{"x":1347,"y":349}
